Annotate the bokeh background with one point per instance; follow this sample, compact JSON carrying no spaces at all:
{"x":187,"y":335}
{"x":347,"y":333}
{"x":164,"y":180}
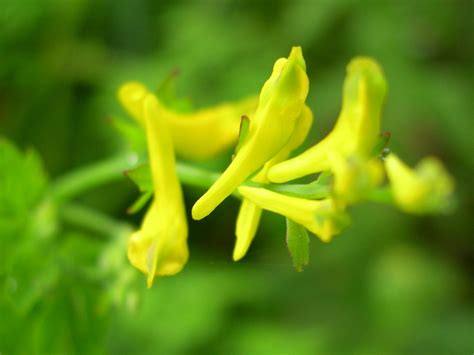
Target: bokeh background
{"x":390,"y":284}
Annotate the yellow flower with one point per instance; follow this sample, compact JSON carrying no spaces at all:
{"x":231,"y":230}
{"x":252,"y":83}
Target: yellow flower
{"x":322,"y":217}
{"x":426,"y":189}
{"x":198,"y":135}
{"x":280,"y":104}
{"x":249,"y":213}
{"x":356,"y":130}
{"x":159,"y":247}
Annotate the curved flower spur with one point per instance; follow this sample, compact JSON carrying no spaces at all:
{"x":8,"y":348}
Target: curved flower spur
{"x":197,"y":135}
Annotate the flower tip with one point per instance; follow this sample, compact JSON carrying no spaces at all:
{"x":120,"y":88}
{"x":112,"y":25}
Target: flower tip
{"x":197,"y":212}
{"x":367,"y":69}
{"x":238,"y":254}
{"x":132,"y":89}
{"x":296,"y":55}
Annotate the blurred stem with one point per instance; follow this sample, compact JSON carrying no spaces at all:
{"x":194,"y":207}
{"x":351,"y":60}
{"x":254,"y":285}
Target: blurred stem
{"x":91,"y":176}
{"x":382,"y":195}
{"x":93,"y":220}
{"x":82,"y":179}
{"x":191,"y":175}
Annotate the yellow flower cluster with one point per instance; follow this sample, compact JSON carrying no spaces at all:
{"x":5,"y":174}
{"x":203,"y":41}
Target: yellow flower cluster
{"x":279,"y":122}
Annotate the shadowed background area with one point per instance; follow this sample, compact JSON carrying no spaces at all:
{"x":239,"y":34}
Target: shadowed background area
{"x":390,"y":284}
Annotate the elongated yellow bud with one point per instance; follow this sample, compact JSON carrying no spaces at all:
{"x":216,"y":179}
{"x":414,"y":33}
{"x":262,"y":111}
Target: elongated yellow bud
{"x":281,"y":103}
{"x":249,"y":213}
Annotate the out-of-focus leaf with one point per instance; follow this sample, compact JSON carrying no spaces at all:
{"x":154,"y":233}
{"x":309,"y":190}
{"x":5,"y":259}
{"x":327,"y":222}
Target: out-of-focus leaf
{"x":297,"y":241}
{"x":166,"y":92}
{"x":132,"y":133}
{"x":22,"y":180}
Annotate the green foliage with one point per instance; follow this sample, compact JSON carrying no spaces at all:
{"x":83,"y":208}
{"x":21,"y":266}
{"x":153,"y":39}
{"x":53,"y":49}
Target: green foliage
{"x":297,"y":241}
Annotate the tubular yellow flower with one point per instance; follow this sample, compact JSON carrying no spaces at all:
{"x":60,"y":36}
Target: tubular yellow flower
{"x":323,"y":217}
{"x":198,"y":135}
{"x":249,"y":213}
{"x":159,"y":248}
{"x":426,"y":189}
{"x":281,"y":103}
{"x":356,"y":130}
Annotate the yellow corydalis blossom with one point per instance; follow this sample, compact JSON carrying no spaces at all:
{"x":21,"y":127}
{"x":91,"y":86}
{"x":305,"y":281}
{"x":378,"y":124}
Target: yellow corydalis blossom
{"x":280,"y":104}
{"x":426,"y":189}
{"x":159,"y":247}
{"x":249,"y":213}
{"x":198,"y":135}
{"x":357,"y":128}
{"x":324,"y":218}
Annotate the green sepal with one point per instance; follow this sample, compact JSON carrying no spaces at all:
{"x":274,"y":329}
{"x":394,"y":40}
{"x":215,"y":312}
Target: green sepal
{"x":297,"y":241}
{"x":243,"y":132}
{"x":141,"y":176}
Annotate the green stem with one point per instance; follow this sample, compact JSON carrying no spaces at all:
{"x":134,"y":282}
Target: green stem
{"x":93,"y":220}
{"x":78,"y":181}
{"x":191,"y":175}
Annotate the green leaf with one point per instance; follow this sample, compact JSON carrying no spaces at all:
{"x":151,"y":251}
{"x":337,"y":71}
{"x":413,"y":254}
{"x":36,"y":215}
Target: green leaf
{"x":22,"y":180}
{"x":297,"y":241}
{"x":22,"y":187}
{"x":141,"y":176}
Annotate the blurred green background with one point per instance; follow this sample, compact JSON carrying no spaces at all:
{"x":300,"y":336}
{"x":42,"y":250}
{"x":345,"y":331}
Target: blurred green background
{"x":390,"y":284}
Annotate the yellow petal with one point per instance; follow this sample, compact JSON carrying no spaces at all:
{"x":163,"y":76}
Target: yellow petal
{"x":160,"y":247}
{"x":280,"y":105}
{"x":426,"y":189}
{"x":198,"y":135}
{"x":249,"y":213}
{"x":323,"y":217}
{"x":356,"y":130}
{"x":246,"y":228}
